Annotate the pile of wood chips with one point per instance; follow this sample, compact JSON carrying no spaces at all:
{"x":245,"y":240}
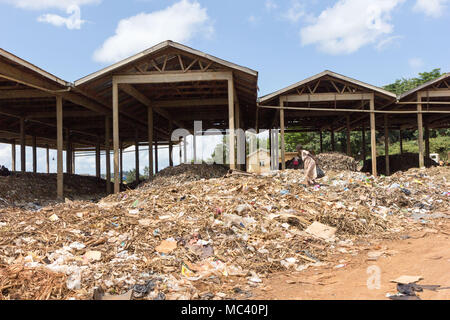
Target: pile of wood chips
{"x":18,"y":282}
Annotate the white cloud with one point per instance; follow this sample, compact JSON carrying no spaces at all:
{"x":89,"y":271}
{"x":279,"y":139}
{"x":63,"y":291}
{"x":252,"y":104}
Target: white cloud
{"x":350,"y":25}
{"x":71,"y":7}
{"x":270,"y":5}
{"x":74,"y":21}
{"x":431,"y":8}
{"x":415,"y":63}
{"x":295,"y":12}
{"x":179,"y":22}
{"x":49,"y":4}
{"x":384,"y":43}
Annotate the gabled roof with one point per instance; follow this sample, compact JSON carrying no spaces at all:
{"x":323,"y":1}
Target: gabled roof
{"x":159,"y":47}
{"x":257,"y":151}
{"x":330,"y":74}
{"x":423,"y":86}
{"x":31,"y":67}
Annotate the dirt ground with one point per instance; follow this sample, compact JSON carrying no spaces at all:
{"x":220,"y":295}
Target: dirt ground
{"x":425,"y":253}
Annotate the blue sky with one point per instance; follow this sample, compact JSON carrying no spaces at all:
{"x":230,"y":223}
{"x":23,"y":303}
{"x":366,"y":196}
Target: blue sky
{"x":376,"y":41}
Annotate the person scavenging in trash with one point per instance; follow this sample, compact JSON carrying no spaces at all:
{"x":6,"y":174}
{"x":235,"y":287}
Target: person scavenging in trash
{"x":310,"y":163}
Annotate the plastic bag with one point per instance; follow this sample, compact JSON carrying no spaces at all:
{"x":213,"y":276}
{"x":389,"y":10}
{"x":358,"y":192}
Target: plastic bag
{"x":320,"y":173}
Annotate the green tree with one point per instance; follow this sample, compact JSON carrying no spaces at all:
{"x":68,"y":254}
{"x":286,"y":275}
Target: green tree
{"x":403,"y":85}
{"x":131,"y":176}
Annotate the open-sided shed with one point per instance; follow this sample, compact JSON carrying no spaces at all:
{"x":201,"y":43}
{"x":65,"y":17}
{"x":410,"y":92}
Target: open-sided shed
{"x":325,"y":102}
{"x":168,"y":87}
{"x":332,"y":102}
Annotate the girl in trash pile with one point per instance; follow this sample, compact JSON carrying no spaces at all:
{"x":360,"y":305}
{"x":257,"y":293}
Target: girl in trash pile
{"x":310,"y":163}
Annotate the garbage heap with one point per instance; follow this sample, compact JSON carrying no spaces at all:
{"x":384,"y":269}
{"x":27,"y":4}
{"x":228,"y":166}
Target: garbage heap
{"x":337,"y":162}
{"x":398,"y":162}
{"x":186,"y":173}
{"x":32,"y":191}
{"x":208,"y":239}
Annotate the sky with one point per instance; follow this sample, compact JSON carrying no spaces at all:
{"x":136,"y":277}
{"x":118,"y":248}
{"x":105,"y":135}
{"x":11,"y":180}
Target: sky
{"x":375,"y":41}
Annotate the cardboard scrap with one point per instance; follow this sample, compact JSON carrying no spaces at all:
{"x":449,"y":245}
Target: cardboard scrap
{"x":321,"y":231}
{"x":166,"y":246}
{"x":93,"y":255}
{"x":145,"y":222}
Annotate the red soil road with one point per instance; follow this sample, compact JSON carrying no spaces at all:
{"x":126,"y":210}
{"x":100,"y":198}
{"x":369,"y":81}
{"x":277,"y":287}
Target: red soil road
{"x":424,"y":254}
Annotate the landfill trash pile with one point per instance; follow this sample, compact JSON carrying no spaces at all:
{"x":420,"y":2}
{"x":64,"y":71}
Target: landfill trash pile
{"x":398,"y":162}
{"x":216,"y":238}
{"x":187,"y":173}
{"x":337,"y":162}
{"x":34,"y":190}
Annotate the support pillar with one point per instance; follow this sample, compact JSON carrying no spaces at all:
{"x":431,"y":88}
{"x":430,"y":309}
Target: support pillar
{"x":60,"y":143}
{"x":401,"y":141}
{"x":116,"y":137}
{"x":34,"y":154}
{"x":231,"y":122}
{"x":321,"y":141}
{"x":333,"y":144}
{"x":156,"y":154}
{"x":68,"y":153}
{"x":13,"y":155}
{"x":136,"y":155}
{"x":121,"y":162}
{"x":185,"y":149}
{"x":48,"y":158}
{"x":373,"y":138}
{"x":386,"y":143}
{"x":364,"y":144}
{"x":150,"y":142}
{"x":170,"y":144}
{"x":349,"y":146}
{"x":283,"y":147}
{"x":420,"y":131}
{"x":108,"y":153}
{"x":73,"y":161}
{"x":194,"y":146}
{"x":427,"y":142}
{"x":97,"y":160}
{"x":23,"y":163}
{"x":180,"y":145}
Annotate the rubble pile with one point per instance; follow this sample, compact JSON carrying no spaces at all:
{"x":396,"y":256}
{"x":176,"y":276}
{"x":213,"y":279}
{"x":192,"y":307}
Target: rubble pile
{"x":34,"y":190}
{"x":215,"y":238}
{"x":337,"y":161}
